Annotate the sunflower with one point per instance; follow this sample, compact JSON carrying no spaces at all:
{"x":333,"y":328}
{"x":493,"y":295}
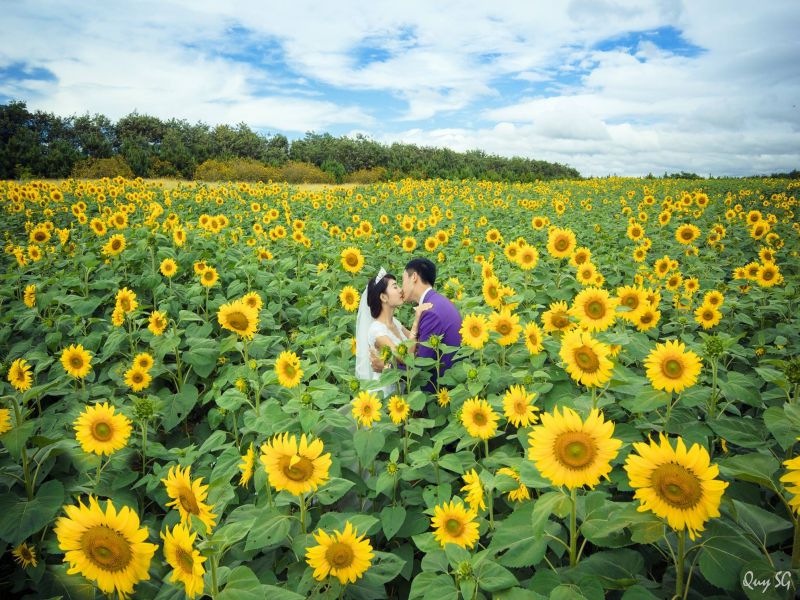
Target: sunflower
{"x":633,"y":300}
{"x":157,"y":322}
{"x":253,"y":300}
{"x":518,"y":406}
{"x":492,"y":291}
{"x":398,"y":409}
{"x":768,"y":275}
{"x":528,"y":258}
{"x":98,"y":227}
{"x":586,"y":358}
{"x":188,"y":496}
{"x":519,"y":494}
{"x":560,"y":242}
{"x":352,"y":260}
{"x":288,"y":369}
{"x":137,"y":379}
{"x":5,"y":420}
{"x":443,"y":397}
{"x":674,"y":282}
{"x":507,"y":325}
{"x":594,"y":308}
{"x":474,"y":331}
{"x":246,"y":466}
{"x":29,"y":297}
{"x":474,"y":490}
{"x":587,"y":273}
{"x":296,"y":468}
{"x":168,"y":267}
{"x":571,"y":452}
{"x":209,"y":277}
{"x":409,"y":244}
{"x":580,"y":256}
{"x":713,"y":298}
{"x":366,"y":408}
{"x":675,"y":484}
{"x":478,"y":418}
{"x":25,"y":555}
{"x":19,"y":375}
{"x":107,"y":548}
{"x":181,"y":555}
{"x":707,"y":316}
{"x":344,"y":555}
{"x":672,"y":368}
{"x":238,"y":317}
{"x":39,"y":235}
{"x":663,"y":266}
{"x":454,"y":524}
{"x":143,"y":361}
{"x":115,"y":244}
{"x":556,"y":318}
{"x":349,"y":297}
{"x":76,"y":361}
{"x":126,"y":300}
{"x":793,"y":479}
{"x":533,"y":338}
{"x":100,"y":431}
{"x":687,"y":233}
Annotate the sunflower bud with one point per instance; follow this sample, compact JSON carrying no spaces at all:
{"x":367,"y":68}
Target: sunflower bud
{"x":306,"y":399}
{"x":402,"y":350}
{"x":528,"y":380}
{"x":714,"y":348}
{"x":144,"y":408}
{"x":472,"y":374}
{"x":464,"y":570}
{"x":392,"y":468}
{"x":354,"y":385}
{"x":435,"y":340}
{"x":792,"y":371}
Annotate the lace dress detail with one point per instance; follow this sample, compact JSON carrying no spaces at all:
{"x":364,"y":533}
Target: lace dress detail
{"x":376,"y":330}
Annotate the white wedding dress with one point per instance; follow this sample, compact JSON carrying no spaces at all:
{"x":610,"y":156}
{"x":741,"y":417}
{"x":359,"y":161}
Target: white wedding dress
{"x":376,"y":330}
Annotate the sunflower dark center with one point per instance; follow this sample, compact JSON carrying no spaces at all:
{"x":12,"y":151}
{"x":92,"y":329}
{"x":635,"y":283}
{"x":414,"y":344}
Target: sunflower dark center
{"x":673,"y":368}
{"x":301,"y":470}
{"x":676,"y":485}
{"x":454,"y":527}
{"x":184,"y":560}
{"x":631,"y":301}
{"x":596,"y":309}
{"x":102,"y":431}
{"x":75,"y":361}
{"x":479,"y":418}
{"x":238,"y":320}
{"x":587,"y":359}
{"x":188,"y":501}
{"x":560,"y":320}
{"x":504,"y":328}
{"x":339,"y":555}
{"x":561,"y":244}
{"x":575,"y":450}
{"x":107,"y":549}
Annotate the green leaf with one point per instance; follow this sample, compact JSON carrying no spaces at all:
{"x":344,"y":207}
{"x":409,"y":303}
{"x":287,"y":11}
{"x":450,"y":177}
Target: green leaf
{"x":759,"y":580}
{"x":243,"y":585}
{"x":740,"y":388}
{"x":231,"y":399}
{"x":333,"y":489}
{"x":274,"y":592}
{"x":368,"y":442}
{"x":392,"y":518}
{"x":179,"y":407}
{"x":638,"y":592}
{"x":385,"y":567}
{"x":430,"y":585}
{"x":759,"y":522}
{"x":514,"y":535}
{"x":747,"y":433}
{"x":783,"y":423}
{"x":725,"y":551}
{"x":15,"y":439}
{"x":493,"y":578}
{"x":269,"y":529}
{"x":202,"y":355}
{"x":21,"y":519}
{"x":615,"y":569}
{"x":543,"y":507}
{"x":753,"y":467}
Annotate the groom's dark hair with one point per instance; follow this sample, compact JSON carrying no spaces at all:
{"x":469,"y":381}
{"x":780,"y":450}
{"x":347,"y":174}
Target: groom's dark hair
{"x":424,"y":268}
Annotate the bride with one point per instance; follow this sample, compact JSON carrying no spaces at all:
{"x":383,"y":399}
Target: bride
{"x":377,"y":327}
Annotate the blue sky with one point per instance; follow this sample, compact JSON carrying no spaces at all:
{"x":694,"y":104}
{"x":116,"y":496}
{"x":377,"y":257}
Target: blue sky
{"x":607,"y":86}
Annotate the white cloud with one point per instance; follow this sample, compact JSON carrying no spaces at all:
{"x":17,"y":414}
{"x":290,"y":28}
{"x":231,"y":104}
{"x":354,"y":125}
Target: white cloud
{"x":731,"y":109}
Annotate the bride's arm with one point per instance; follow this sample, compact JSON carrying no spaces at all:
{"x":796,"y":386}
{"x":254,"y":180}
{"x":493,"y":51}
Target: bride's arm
{"x":412,"y":335}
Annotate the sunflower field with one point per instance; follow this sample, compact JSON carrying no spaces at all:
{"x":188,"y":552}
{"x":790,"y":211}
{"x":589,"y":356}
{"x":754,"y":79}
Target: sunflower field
{"x":180,"y":414}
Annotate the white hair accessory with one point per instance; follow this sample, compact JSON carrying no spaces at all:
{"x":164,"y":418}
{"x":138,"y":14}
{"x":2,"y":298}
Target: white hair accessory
{"x":380,"y":275}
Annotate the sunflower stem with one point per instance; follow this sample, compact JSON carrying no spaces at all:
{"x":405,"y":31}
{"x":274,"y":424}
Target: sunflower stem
{"x":144,"y":446}
{"x":573,"y":522}
{"x":796,"y":546}
{"x":713,"y":401}
{"x":214,"y":584}
{"x":23,"y":452}
{"x":679,"y":563}
{"x":303,"y":513}
{"x":486,"y":447}
{"x":491,"y":510}
{"x":594,"y":397}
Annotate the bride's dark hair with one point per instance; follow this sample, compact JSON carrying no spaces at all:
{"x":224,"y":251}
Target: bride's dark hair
{"x":374,"y":291}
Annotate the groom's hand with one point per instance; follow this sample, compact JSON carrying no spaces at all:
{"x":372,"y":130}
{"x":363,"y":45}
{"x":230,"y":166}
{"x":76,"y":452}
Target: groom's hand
{"x":376,"y":362}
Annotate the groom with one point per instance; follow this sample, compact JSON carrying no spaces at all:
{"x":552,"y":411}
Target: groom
{"x":443,"y":320}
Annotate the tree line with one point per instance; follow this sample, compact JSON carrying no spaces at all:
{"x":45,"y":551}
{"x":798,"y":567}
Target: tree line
{"x":42,"y":144}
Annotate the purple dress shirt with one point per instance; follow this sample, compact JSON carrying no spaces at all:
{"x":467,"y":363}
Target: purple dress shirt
{"x":443,"y":320}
